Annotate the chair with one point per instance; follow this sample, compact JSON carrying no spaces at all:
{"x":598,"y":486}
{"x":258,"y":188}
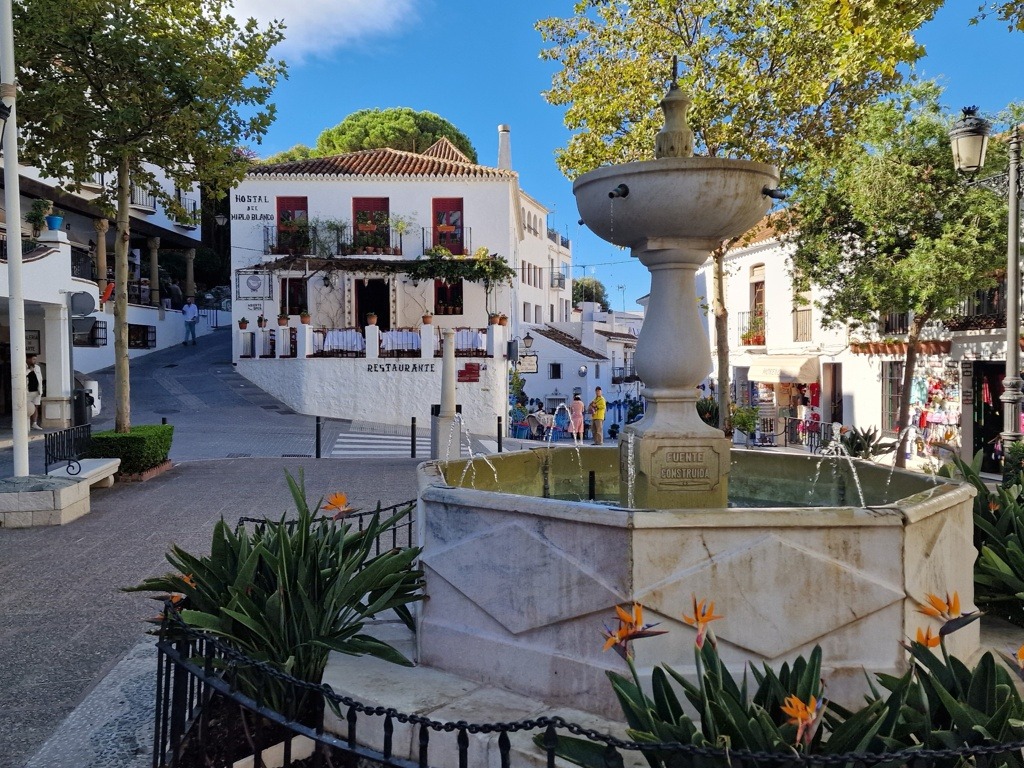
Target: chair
{"x":520,"y":430}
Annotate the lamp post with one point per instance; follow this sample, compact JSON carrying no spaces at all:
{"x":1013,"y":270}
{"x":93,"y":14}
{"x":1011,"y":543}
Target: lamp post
{"x":969,"y":140}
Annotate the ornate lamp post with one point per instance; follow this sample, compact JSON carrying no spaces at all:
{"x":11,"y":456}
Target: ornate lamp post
{"x":969,"y":140}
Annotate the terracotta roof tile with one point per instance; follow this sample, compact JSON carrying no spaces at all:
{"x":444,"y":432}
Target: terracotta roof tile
{"x":381,"y":162}
{"x":766,"y":229}
{"x":616,"y":335}
{"x":445,"y":150}
{"x":568,"y":341}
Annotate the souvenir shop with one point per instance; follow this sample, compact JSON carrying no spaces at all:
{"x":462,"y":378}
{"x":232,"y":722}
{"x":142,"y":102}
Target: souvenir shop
{"x":788,"y":394}
{"x":935,"y":408}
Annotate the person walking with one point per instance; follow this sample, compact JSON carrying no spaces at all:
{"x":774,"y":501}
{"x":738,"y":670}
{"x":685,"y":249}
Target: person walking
{"x":35,"y":392}
{"x":598,"y":407}
{"x":576,"y":418}
{"x":191,"y":314}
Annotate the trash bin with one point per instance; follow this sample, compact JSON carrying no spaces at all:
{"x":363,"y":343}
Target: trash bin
{"x":83,"y":407}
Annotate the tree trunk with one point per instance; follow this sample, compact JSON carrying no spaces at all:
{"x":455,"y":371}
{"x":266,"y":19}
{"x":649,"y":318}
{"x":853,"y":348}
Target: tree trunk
{"x":721,"y":334}
{"x":910,"y":362}
{"x":122,"y":385}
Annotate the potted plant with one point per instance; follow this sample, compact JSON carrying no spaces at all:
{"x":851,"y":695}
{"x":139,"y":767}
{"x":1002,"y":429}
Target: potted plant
{"x":428,"y":317}
{"x":282,"y":319}
{"x":492,"y":318}
{"x":371,"y":318}
{"x":261,"y":322}
{"x":304,"y":317}
{"x":54,"y":219}
{"x":502,"y":319}
{"x":243,"y":323}
{"x":744,"y":419}
{"x":401,"y":225}
{"x":37,"y":215}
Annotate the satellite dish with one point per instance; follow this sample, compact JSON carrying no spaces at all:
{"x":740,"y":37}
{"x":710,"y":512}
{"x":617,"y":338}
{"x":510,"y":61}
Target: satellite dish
{"x":82,"y":304}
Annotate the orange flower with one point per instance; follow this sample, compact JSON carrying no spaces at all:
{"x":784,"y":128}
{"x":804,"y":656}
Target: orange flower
{"x":703,"y":614}
{"x":938,"y":608}
{"x":993,"y":505}
{"x":631,"y":627}
{"x":338,"y":504}
{"x":926,"y":638}
{"x":1020,"y":658}
{"x":189,"y":579}
{"x":806,"y":717}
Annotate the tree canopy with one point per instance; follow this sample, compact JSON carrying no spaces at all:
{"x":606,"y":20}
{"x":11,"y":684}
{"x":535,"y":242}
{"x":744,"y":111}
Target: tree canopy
{"x":886,"y":224}
{"x":123,"y":88}
{"x":396,"y":127}
{"x":589,"y":289}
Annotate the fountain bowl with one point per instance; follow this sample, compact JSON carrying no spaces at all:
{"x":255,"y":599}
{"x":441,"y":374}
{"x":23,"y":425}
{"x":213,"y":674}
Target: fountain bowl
{"x":705,"y":199}
{"x":519,"y":586}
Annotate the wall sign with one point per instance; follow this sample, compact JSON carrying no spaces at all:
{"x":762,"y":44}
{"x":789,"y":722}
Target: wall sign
{"x":528,"y":364}
{"x":32,"y":343}
{"x":966,"y":368}
{"x":253,"y":285}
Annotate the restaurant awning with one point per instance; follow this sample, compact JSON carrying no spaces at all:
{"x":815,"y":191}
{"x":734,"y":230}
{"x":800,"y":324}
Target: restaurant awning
{"x":784,"y":369}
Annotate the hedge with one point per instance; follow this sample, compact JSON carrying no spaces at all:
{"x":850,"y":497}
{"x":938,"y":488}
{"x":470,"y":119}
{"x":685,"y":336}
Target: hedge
{"x":145,"y":447}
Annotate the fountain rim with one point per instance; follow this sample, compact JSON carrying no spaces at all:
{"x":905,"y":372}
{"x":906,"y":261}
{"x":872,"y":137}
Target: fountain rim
{"x":697,"y":163}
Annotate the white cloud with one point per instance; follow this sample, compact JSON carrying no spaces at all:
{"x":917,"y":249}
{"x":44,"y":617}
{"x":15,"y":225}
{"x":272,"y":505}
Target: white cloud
{"x":317,"y":28}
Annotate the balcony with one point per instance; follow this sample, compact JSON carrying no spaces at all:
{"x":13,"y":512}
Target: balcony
{"x":802,"y":328}
{"x":558,"y":239}
{"x":623,"y":374}
{"x":895,"y":324}
{"x":142,"y":199}
{"x":456,"y":239}
{"x":328,"y":241}
{"x":191,"y":218}
{"x":82,"y":264}
{"x":751,"y":328}
{"x":982,"y":310}
{"x":558,"y":281}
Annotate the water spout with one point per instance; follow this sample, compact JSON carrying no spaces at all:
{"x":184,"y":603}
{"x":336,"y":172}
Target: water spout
{"x":620,"y":191}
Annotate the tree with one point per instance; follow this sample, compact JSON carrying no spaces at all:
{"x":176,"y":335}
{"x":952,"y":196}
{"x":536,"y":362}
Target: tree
{"x":121,"y":88}
{"x":885,"y":224}
{"x":298,"y":152}
{"x":397,"y":127}
{"x":589,"y":289}
{"x":771,"y":80}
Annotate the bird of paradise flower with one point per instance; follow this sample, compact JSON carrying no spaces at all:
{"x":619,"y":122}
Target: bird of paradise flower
{"x":631,"y":627}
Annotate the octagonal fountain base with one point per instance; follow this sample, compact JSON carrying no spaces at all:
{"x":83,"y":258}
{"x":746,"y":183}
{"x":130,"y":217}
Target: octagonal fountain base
{"x":519,"y":587}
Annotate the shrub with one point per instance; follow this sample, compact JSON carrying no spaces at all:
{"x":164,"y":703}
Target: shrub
{"x":744,"y":418}
{"x":1013,"y":465}
{"x":145,"y":447}
{"x":291,"y":591}
{"x":866,"y":443}
{"x":707,"y":409}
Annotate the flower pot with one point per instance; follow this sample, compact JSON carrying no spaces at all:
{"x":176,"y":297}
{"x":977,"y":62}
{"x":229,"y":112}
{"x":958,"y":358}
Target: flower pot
{"x":371,"y":319}
{"x":503,"y":320}
{"x":445,"y":227}
{"x":261,"y":323}
{"x":242,"y":325}
{"x":304,"y":319}
{"x":282,"y":321}
{"x":428,"y":319}
{"x":54,"y":222}
{"x":366,"y":227}
{"x":492,"y":319}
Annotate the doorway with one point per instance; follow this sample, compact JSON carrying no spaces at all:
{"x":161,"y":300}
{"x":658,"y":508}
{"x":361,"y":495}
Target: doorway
{"x":832,"y":378}
{"x":373,"y":296}
{"x":988,"y":414}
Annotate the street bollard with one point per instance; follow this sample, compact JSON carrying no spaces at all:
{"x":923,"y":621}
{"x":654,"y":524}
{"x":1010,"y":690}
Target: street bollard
{"x":500,"y":434}
{"x":318,"y":437}
{"x":413,"y":448}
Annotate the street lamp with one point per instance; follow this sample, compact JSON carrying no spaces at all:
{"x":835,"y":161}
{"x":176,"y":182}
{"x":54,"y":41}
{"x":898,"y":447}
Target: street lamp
{"x":969,"y":140}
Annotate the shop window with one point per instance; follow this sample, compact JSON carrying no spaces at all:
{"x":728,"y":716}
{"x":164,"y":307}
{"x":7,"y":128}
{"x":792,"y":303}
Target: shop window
{"x":554,"y":370}
{"x":448,"y":297}
{"x":371,"y":215}
{"x":293,"y":295}
{"x":892,"y":389}
{"x":141,"y":336}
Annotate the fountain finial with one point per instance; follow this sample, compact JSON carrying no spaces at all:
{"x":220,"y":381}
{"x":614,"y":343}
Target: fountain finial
{"x":676,"y":138}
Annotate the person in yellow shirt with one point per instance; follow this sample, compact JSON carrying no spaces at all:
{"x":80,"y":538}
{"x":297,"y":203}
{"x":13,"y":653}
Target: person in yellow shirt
{"x":598,"y":407}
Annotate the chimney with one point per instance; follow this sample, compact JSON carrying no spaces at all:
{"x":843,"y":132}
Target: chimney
{"x":504,"y":148}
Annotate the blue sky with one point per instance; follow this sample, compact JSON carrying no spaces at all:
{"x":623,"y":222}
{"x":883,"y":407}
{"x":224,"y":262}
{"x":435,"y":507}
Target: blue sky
{"x":477,"y":64}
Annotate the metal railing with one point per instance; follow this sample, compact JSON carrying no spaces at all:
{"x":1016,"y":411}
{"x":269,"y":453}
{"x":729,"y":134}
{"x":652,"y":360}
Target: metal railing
{"x":66,"y":445}
{"x":982,"y":310}
{"x":895,"y":323}
{"x":191,"y":218}
{"x":558,"y":280}
{"x":624,"y":373}
{"x":786,"y":431}
{"x":458,"y":240}
{"x":142,"y":198}
{"x":751,"y":328}
{"x":311,"y":240}
{"x":558,"y":239}
{"x":83,"y":265}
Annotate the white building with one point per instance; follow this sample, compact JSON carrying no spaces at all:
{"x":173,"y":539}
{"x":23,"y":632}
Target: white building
{"x":76,"y":256}
{"x":343,"y":237}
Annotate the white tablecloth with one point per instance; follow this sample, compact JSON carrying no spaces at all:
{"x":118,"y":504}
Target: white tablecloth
{"x":470,"y":338}
{"x":394,"y":341}
{"x":348,"y":340}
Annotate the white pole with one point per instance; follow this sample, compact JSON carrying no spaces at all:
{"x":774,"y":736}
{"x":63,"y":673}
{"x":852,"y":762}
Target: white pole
{"x":12,"y":201}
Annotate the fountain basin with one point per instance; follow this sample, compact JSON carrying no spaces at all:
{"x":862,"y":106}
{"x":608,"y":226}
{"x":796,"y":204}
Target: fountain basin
{"x":694,"y":198}
{"x":519,"y":587}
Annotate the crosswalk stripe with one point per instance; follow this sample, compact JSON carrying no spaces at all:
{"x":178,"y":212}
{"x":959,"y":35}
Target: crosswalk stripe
{"x":350,"y":444}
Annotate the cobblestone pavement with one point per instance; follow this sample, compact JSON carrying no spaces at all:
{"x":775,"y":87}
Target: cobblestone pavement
{"x":65,"y":624}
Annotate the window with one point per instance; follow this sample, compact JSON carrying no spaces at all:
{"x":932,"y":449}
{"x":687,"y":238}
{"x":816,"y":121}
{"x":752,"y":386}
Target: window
{"x":526,"y":311}
{"x":141,"y":336}
{"x":538,"y":317}
{"x":448,"y":297}
{"x":293,"y":295}
{"x":448,"y":224}
{"x":96,"y":337}
{"x":371,"y":215}
{"x":554,"y":370}
{"x":597,"y":370}
{"x":292,"y":220}
{"x":551,"y":312}
{"x":892,"y":388}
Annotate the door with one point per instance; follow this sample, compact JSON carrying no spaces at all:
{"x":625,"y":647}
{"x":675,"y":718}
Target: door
{"x":373,"y":296}
{"x":988,"y":414}
{"x":448,"y":224}
{"x":832,"y":376}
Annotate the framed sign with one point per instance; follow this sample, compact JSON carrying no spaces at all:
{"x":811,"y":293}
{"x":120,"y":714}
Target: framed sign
{"x":32,"y":343}
{"x":528,"y":364}
{"x":966,"y":368}
{"x":253,"y":284}
{"x":967,"y":396}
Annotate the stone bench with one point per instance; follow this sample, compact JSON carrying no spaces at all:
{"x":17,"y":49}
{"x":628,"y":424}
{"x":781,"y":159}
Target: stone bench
{"x":98,"y":472}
